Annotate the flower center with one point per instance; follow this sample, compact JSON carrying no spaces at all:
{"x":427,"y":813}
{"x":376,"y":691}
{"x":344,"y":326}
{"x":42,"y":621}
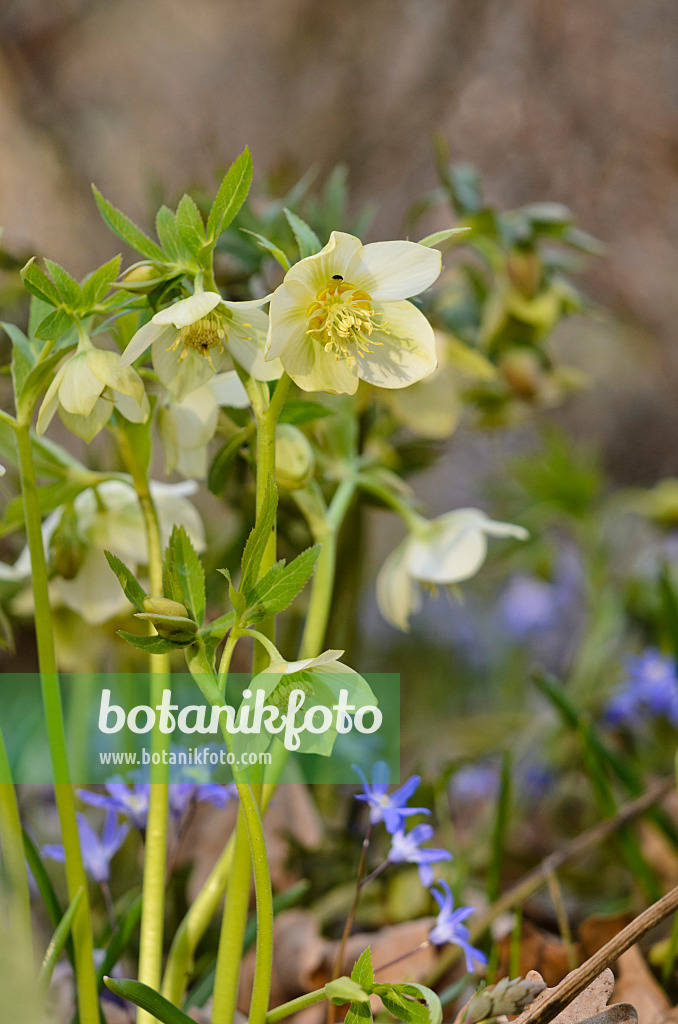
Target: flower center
{"x":202,"y":336}
{"x":342,"y":319}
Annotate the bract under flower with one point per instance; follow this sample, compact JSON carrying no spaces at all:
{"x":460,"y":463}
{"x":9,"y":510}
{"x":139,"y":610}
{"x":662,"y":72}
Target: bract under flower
{"x":441,"y":551}
{"x":189,"y":341}
{"x":341,"y":316}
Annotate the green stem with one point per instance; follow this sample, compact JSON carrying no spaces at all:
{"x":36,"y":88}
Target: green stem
{"x":88,"y":1002}
{"x":12,"y":843}
{"x":234,"y":922}
{"x":295,"y":1005}
{"x":155,"y":845}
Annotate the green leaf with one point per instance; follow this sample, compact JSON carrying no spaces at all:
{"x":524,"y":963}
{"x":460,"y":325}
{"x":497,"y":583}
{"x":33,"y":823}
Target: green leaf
{"x":189,"y":573}
{"x":405,"y":1004}
{"x":433,"y":1004}
{"x":167,"y":231}
{"x":148,"y":999}
{"x":97,"y":284}
{"x":218,"y":471}
{"x":307,"y":240}
{"x":218,"y":627}
{"x":441,"y":236}
{"x":126,"y":229}
{"x":54,"y":326}
{"x":58,"y":941}
{"x":23,"y":355}
{"x":190,"y":226}
{"x":258,"y":539}
{"x":345,"y":990}
{"x":271,"y":247}
{"x":119,"y":939}
{"x":303,"y":412}
{"x":358,"y":1013}
{"x":235,"y":597}
{"x":51,"y":496}
{"x":152,"y":644}
{"x":46,"y":889}
{"x":363,"y":973}
{"x":131,"y":588}
{"x":39,"y":284}
{"x":67,"y":286}
{"x":231,"y":195}
{"x":281,"y":584}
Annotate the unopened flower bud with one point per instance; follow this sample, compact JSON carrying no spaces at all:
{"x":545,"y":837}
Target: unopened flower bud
{"x":67,"y":548}
{"x":142,"y":277}
{"x":164,"y":606}
{"x":294,"y":459}
{"x":524,"y":269}
{"x":522,"y":372}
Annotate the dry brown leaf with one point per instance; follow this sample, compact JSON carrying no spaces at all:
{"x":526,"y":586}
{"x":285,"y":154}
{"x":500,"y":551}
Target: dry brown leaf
{"x":595,"y":931}
{"x":636,"y":984}
{"x":539,"y":951}
{"x":589,"y":1003}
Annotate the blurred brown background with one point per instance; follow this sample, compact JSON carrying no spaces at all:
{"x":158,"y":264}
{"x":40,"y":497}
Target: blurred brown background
{"x":575,"y":102}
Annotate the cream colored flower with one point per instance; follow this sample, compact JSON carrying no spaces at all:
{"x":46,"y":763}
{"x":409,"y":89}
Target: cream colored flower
{"x":449,"y":549}
{"x":340,"y":316}
{"x":87,"y":387}
{"x":189,"y":341}
{"x":187,"y":427}
{"x":110,"y":520}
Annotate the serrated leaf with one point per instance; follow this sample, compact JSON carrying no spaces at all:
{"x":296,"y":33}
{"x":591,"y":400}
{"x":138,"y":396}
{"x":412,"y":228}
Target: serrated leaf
{"x":359,"y":1013}
{"x":67,"y":286}
{"x":97,"y":284}
{"x":190,"y":226}
{"x":231,"y":195}
{"x":271,"y":247}
{"x":126,"y":229}
{"x":235,"y":597}
{"x":258,"y":539}
{"x":303,"y":412}
{"x":218,"y":627}
{"x":190,"y":575}
{"x":281,"y":584}
{"x":403,"y":1005}
{"x":53,"y":326}
{"x":152,"y":644}
{"x":58,"y":940}
{"x":307,"y":240}
{"x":345,"y":990}
{"x":23,"y":355}
{"x":433,"y":1004}
{"x":39,"y":284}
{"x":167,"y":231}
{"x":148,"y":999}
{"x":170,"y":584}
{"x":218,"y":471}
{"x":363,"y":973}
{"x":132,"y":589}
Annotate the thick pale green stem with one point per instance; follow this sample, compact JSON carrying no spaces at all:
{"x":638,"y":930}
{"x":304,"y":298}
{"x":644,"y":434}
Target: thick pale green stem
{"x":233,"y":926}
{"x":155,"y":844}
{"x":88,"y":1002}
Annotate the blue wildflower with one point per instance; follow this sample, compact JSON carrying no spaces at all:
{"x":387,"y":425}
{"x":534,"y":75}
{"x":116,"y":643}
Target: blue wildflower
{"x":530,"y":605}
{"x":130,"y":802}
{"x":405,"y":848}
{"x":649,"y":690}
{"x":389,"y":809}
{"x":475,"y":782}
{"x":449,"y":926}
{"x":97,"y":851}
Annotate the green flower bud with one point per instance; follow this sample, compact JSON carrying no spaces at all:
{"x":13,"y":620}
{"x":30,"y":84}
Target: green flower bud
{"x":521,"y":370}
{"x":524,"y":269}
{"x":67,"y":548}
{"x":170,"y":619}
{"x":164,"y":606}
{"x":294,"y":459}
{"x":143,"y":277}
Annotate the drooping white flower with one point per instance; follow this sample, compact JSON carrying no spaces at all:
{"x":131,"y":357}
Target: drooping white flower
{"x":189,"y":341}
{"x":441,"y":551}
{"x":86,"y":388}
{"x":110,"y":520}
{"x":187,"y":427}
{"x":341,"y":316}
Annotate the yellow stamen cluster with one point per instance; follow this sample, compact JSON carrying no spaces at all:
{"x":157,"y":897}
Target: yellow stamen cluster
{"x":202,"y":336}
{"x":342,"y":319}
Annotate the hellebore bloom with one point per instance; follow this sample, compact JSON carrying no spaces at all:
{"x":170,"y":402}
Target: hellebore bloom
{"x":392,"y":810}
{"x":86,"y":388}
{"x":449,"y":926}
{"x":405,"y":848}
{"x":190,"y":338}
{"x":650,"y":690}
{"x":445,"y":550}
{"x":341,"y":315}
{"x":109,"y":520}
{"x":187,"y":427}
{"x":97,"y":852}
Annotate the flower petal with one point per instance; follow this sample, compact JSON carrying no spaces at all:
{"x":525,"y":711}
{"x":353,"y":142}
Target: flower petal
{"x":87,"y":427}
{"x":181,"y":370}
{"x":135,"y":412}
{"x":246,"y":343}
{"x":50,"y":402}
{"x":287,"y":321}
{"x":187,"y":311}
{"x":228,"y":389}
{"x":144,"y":337}
{"x":80,"y":387}
{"x":403,"y":352}
{"x":94,"y":592}
{"x":451,"y":556}
{"x":314,"y":272}
{"x":314,"y":369}
{"x":394,"y":270}
{"x":397,"y":594}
